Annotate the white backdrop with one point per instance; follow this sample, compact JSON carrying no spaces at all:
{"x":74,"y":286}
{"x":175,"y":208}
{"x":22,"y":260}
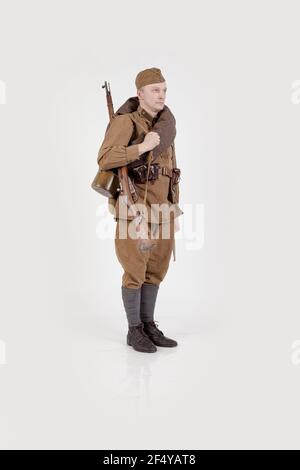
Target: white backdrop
{"x":68,"y":379}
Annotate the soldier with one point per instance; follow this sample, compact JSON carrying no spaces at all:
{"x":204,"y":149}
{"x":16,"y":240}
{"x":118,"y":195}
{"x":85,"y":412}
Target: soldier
{"x":143,"y":124}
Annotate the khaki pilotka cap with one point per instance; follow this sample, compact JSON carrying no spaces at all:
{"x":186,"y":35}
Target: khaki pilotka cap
{"x":148,"y":76}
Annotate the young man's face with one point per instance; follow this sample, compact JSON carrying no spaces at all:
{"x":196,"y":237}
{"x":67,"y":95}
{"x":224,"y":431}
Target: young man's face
{"x":153,"y":96}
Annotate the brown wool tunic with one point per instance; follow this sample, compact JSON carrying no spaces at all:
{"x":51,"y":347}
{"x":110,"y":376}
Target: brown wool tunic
{"x":116,"y":151}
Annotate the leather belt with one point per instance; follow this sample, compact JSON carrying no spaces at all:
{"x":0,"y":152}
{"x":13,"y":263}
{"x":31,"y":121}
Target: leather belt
{"x":139,"y":173}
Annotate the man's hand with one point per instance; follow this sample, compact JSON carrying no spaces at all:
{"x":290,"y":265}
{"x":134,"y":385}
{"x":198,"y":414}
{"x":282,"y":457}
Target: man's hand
{"x":152,"y":139}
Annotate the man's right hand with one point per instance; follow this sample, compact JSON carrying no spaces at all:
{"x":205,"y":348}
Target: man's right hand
{"x":151,"y":140}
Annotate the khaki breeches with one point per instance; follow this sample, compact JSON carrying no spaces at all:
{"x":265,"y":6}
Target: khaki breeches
{"x":150,"y":266}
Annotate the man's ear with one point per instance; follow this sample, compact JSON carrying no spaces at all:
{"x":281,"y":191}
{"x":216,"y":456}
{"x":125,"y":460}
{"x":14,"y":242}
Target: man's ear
{"x":140,"y":92}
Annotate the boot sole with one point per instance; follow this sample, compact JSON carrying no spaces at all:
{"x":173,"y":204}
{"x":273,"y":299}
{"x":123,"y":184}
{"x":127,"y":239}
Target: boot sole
{"x":164,"y":345}
{"x":140,"y":350}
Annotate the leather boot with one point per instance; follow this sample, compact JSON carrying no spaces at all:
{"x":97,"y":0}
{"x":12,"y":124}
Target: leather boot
{"x":137,"y":338}
{"x":157,"y":337}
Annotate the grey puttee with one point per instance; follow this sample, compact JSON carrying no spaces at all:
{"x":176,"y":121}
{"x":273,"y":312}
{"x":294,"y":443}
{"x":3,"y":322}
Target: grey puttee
{"x":132,"y":301}
{"x":148,"y":300}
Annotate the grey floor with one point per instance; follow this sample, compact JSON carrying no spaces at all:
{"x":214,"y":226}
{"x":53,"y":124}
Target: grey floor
{"x":72,"y":382}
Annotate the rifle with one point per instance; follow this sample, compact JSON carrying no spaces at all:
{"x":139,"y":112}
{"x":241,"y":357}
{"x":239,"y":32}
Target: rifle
{"x":127,"y":192}
{"x":106,"y":182}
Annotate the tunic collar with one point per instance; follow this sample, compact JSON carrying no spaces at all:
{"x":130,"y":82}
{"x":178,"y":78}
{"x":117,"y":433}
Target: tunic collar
{"x":142,"y":112}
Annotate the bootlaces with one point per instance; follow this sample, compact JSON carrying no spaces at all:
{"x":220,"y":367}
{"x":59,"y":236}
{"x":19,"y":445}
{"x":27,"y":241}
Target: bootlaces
{"x":155,"y":323}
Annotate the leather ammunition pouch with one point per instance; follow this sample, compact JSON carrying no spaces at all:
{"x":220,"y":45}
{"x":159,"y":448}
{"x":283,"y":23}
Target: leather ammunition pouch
{"x":139,"y":173}
{"x":176,"y":175}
